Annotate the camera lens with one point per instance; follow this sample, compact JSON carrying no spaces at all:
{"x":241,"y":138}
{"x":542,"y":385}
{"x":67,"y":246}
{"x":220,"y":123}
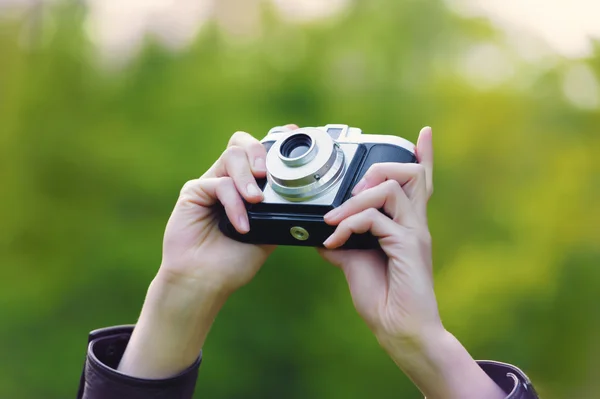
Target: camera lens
{"x":304,"y":164}
{"x":296,"y":146}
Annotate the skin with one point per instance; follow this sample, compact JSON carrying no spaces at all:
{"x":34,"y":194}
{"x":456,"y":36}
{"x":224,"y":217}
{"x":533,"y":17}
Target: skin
{"x":392,"y":289}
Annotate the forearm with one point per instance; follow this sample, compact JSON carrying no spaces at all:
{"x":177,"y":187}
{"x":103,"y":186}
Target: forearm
{"x":443,"y":369}
{"x":170,"y":332}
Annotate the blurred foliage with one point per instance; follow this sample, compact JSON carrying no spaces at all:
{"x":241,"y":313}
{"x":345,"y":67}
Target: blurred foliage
{"x":91,"y":163}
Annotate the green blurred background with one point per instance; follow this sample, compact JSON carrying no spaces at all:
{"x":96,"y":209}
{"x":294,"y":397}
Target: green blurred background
{"x":94,"y":146}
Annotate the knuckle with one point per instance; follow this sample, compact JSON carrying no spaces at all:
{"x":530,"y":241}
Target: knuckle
{"x":419,"y":170}
{"x":189,"y":191}
{"x":391,"y":186}
{"x":225,"y":182}
{"x":371,"y":213}
{"x":344,"y":224}
{"x":188,"y":186}
{"x":403,"y":235}
{"x":233,"y":151}
{"x":256,"y":147}
{"x":224,"y":187}
{"x":375,"y":170}
{"x":237,"y":137}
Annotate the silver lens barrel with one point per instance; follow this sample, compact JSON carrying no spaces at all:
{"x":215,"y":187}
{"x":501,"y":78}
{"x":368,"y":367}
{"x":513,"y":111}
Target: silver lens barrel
{"x":304,"y":163}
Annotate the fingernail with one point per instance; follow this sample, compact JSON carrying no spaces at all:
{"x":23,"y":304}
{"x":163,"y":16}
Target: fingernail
{"x":327,"y":242}
{"x":359,"y":186}
{"x":244,"y":225}
{"x":259,"y":164}
{"x":253,"y":190}
{"x":333,"y":214}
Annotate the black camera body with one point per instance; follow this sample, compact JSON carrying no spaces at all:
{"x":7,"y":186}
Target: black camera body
{"x":311,"y":171}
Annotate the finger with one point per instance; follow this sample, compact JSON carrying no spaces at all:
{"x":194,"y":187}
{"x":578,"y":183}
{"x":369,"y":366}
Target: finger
{"x":255,"y":151}
{"x":425,"y":156}
{"x":410,"y":176}
{"x":208,"y":191}
{"x":340,"y":259}
{"x":388,"y":196}
{"x":366,"y":274}
{"x":288,"y":127}
{"x":368,"y":220}
{"x":235,"y":163}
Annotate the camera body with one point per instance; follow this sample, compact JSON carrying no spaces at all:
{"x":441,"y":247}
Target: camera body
{"x":311,"y":171}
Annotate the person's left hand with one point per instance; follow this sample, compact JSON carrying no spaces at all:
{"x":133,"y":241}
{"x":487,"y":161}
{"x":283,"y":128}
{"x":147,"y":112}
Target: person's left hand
{"x":392,"y":288}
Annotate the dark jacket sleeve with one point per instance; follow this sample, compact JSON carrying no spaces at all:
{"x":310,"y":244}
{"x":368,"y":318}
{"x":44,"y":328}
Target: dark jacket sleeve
{"x":101,"y":380}
{"x":512,"y":380}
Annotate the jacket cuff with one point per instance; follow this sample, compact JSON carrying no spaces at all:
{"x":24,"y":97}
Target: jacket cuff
{"x":102,"y":380}
{"x":510,"y":378}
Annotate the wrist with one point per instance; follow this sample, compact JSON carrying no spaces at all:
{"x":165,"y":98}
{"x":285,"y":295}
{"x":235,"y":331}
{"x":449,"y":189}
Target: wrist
{"x":408,"y":351}
{"x":182,"y":299}
{"x":188,"y":286}
{"x":171,"y":330}
{"x":442,"y":368}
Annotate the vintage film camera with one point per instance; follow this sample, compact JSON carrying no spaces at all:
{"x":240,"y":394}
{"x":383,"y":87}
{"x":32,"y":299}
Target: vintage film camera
{"x":310,"y":171}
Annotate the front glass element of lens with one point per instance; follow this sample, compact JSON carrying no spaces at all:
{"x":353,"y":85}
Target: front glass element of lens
{"x":296,"y":146}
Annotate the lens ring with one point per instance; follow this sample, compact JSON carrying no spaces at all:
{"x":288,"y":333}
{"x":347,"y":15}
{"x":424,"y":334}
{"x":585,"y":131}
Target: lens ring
{"x":297,"y":149}
{"x":313,"y":185}
{"x":296,"y":146}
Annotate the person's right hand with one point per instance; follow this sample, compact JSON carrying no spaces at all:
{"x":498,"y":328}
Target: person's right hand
{"x":195,"y":252}
{"x":200,"y":266}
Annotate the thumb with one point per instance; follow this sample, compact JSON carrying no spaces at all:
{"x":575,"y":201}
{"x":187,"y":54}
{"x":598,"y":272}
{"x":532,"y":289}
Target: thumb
{"x":425,"y":156}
